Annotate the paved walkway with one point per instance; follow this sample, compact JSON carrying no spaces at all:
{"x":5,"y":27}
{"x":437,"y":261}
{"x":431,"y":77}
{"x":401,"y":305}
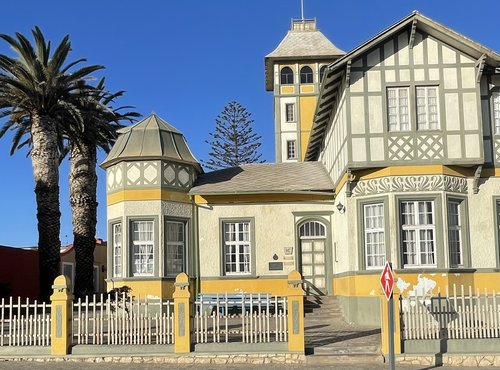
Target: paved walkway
{"x":121,"y":366}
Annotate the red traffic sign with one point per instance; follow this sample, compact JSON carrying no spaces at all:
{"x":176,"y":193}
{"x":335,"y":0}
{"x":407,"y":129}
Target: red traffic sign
{"x":387,"y":280}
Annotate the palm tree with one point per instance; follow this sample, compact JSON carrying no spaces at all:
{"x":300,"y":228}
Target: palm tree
{"x":35,"y":88}
{"x":100,"y":122}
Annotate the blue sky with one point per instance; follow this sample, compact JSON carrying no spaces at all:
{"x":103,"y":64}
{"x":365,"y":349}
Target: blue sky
{"x":186,"y":59}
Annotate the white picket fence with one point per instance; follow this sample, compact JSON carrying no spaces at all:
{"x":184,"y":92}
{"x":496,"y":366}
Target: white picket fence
{"x":24,"y":323}
{"x":246,"y":318}
{"x":463,"y":314}
{"x":121,"y":319}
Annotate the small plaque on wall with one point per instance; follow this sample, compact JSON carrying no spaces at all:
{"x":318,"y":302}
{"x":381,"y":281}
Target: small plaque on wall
{"x":275,"y":266}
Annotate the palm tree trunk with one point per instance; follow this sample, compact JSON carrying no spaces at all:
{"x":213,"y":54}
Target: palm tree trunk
{"x":45,"y":163}
{"x":82,"y":189}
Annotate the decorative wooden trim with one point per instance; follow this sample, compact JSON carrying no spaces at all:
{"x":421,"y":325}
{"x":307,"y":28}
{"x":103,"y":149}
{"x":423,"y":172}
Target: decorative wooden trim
{"x":348,"y":72}
{"x":412,"y":33}
{"x":480,"y":67}
{"x":477,"y":176}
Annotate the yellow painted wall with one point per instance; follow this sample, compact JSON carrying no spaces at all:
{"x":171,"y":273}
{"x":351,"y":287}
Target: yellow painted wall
{"x":306,"y":88}
{"x":369,"y":285}
{"x":272,"y":286}
{"x":287,"y":89}
{"x":147,"y":194}
{"x":307,"y":107}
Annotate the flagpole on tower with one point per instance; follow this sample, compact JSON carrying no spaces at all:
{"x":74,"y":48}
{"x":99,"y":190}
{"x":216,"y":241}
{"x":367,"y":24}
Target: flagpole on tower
{"x":302,"y":8}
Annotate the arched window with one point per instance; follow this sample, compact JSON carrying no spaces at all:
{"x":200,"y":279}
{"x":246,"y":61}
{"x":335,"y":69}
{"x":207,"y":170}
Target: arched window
{"x":312,"y":229}
{"x":322,"y":73}
{"x":306,"y":75}
{"x":286,"y":76}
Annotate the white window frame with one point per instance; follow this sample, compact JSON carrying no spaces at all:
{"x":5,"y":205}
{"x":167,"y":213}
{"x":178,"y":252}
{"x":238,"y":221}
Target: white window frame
{"x":398,"y":109}
{"x":455,"y":240}
{"x":427,"y":106}
{"x":117,"y":249}
{"x":496,"y":112}
{"x":173,"y":247}
{"x":422,"y":247}
{"x":289,"y":112}
{"x":237,"y":247}
{"x":142,"y":248}
{"x":374,"y":235}
{"x":291,"y":149}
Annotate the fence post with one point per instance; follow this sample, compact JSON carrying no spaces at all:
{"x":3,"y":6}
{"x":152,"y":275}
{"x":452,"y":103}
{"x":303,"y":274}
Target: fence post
{"x":182,"y":316}
{"x":295,"y":318}
{"x":62,"y":316}
{"x":385,"y":324}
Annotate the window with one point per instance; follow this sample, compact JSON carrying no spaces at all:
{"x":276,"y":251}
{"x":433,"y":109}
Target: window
{"x":496,"y":111}
{"x":291,"y":152}
{"x":286,"y":76}
{"x":96,"y":278}
{"x":176,"y":247}
{"x":374,"y":234}
{"x":397,"y":107}
{"x":427,"y":108}
{"x":455,"y":233}
{"x":237,"y":256}
{"x":142,"y":244}
{"x":312,"y":229}
{"x":67,"y":269}
{"x":306,"y":75}
{"x":117,"y":250}
{"x":322,"y":73}
{"x":290,"y":112}
{"x":418,"y":233}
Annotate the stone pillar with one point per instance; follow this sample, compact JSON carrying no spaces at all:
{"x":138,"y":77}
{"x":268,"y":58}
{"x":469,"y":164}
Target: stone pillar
{"x":182,"y":318}
{"x":62,"y":316}
{"x":385,"y":323}
{"x":295,"y":295}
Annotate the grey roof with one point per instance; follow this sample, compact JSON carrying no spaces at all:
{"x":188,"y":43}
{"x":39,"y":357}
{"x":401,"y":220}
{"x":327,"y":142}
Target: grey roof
{"x":151,"y":138}
{"x":265,"y":178}
{"x":301,"y":43}
{"x":336,"y":71}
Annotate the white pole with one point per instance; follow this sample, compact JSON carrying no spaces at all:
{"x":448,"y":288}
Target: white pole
{"x":302,"y":8}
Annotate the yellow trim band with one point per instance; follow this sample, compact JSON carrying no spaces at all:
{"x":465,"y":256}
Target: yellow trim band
{"x":260,"y":198}
{"x":147,"y":194}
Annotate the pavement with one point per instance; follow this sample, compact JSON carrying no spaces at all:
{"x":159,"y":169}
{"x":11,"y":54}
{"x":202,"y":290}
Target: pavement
{"x":121,"y":366}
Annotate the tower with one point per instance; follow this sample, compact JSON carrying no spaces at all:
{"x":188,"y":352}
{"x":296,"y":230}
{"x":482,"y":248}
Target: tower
{"x":293,"y":72}
{"x":149,"y":172}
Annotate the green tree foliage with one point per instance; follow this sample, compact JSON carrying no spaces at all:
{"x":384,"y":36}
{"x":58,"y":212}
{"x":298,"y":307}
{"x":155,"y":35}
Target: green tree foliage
{"x":233,"y":142}
{"x":36,"y":87}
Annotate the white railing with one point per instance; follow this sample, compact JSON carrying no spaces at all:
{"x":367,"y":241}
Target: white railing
{"x":24,"y":323}
{"x":459,"y":315}
{"x":246,"y":318}
{"x":121,"y":319}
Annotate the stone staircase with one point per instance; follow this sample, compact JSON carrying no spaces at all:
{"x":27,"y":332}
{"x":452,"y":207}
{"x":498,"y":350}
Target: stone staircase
{"x":330,"y":339}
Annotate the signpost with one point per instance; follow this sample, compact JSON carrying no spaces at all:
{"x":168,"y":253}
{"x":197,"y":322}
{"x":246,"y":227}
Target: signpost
{"x":387,"y":283}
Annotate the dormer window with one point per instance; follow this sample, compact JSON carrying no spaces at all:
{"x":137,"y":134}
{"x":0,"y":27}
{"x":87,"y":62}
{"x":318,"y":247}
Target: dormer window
{"x":306,"y":75}
{"x":286,"y":76}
